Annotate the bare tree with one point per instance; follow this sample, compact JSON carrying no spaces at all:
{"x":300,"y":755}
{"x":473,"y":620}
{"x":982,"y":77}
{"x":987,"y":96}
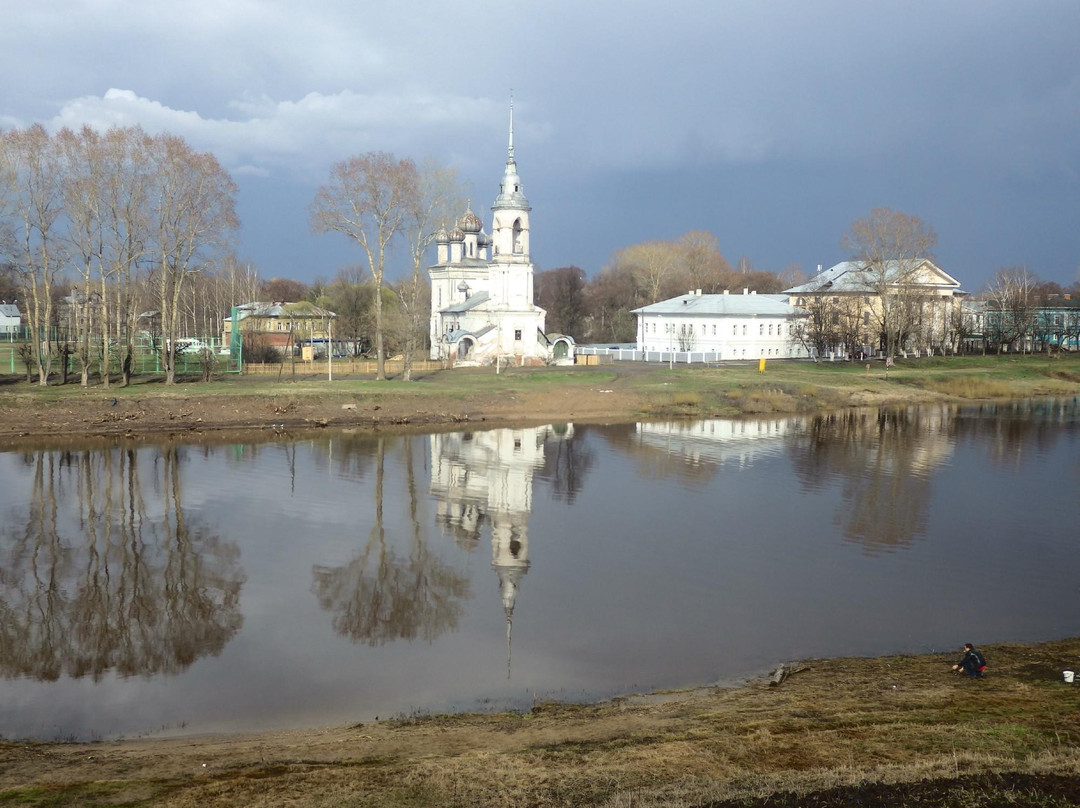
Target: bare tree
{"x":32,"y":201}
{"x":653,"y":266}
{"x":367,"y":200}
{"x":83,"y":183}
{"x":125,"y":210}
{"x":437,"y":198}
{"x":890,"y":249}
{"x":702,"y":264}
{"x":817,"y":327}
{"x":1012,"y":306}
{"x":194,"y":213}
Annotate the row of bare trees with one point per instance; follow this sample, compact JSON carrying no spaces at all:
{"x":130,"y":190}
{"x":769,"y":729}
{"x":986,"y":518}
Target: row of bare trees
{"x":125,"y":219}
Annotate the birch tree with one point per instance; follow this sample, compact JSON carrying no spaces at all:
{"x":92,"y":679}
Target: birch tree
{"x":368,"y":199}
{"x":1013,"y":304}
{"x":32,"y":202}
{"x":83,"y":182}
{"x":194,"y":213}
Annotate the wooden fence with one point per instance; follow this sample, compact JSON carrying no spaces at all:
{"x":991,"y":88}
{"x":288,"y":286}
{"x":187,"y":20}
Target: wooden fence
{"x":343,"y":367}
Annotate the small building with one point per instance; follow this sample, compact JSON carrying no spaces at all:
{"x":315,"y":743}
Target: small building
{"x":727,"y":326}
{"x":10,"y":320}
{"x":280,"y":325}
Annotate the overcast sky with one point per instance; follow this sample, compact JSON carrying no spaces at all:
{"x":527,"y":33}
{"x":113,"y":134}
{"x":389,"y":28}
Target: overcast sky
{"x":772,"y":125}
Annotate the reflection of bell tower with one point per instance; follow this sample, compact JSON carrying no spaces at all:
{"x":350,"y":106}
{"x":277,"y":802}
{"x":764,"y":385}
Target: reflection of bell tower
{"x":486,"y":477}
{"x":510,"y":559}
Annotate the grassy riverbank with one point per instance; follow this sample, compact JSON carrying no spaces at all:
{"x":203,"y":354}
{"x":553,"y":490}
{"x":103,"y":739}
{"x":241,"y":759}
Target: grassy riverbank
{"x":623,"y":391}
{"x":901,"y":731}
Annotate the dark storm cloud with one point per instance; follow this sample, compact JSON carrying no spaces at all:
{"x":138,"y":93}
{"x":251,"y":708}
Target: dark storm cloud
{"x":773,"y":125}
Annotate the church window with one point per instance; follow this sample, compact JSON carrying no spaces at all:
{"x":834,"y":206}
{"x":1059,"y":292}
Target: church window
{"x":519,"y":241}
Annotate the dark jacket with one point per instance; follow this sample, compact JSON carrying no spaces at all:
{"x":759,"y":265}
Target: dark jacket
{"x":972,"y":662}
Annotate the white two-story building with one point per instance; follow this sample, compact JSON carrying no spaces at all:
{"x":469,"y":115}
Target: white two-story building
{"x":723,"y":327}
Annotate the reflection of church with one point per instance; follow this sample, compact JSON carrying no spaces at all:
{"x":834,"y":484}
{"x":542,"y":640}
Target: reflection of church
{"x":486,"y":477}
{"x":482,"y":308}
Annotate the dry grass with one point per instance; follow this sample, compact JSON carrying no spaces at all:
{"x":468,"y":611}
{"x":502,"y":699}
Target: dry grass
{"x":966,"y":386}
{"x":900,"y":730}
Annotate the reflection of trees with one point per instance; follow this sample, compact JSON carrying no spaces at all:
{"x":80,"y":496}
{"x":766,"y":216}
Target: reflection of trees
{"x":567,"y":463}
{"x":380,"y":596}
{"x":1012,"y":429}
{"x":109,"y":587}
{"x":884,"y":460}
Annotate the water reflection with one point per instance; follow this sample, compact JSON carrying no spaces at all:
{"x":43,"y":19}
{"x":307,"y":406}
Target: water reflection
{"x":706,"y":446}
{"x":380,"y":596}
{"x":480,"y":478}
{"x":116,"y":585}
{"x":883,"y":461}
{"x":695,"y":551}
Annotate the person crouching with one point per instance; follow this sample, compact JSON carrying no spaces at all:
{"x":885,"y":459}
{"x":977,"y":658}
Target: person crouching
{"x":973,"y":664}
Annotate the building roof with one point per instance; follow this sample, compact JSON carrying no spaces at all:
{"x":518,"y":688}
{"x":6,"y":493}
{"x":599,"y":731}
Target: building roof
{"x":850,"y":276}
{"x":9,"y":310}
{"x":299,"y":309}
{"x":470,"y":303}
{"x":724,"y":305}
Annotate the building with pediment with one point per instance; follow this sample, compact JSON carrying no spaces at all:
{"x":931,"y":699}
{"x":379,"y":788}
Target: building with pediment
{"x":482,"y":308}
{"x":853,"y":305}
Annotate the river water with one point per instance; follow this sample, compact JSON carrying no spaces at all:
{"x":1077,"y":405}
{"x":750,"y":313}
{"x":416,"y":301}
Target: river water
{"x":182,"y":589}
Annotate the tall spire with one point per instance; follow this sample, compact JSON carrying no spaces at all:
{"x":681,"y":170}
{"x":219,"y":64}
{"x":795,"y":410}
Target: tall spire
{"x":511,"y":194}
{"x":510,"y":149}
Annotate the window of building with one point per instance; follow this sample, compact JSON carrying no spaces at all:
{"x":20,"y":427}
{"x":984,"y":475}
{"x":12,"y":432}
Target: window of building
{"x":744,"y":332}
{"x":761,"y":329}
{"x":714,"y":329}
{"x":770,"y":329}
{"x":734,"y":331}
{"x":517,"y":333}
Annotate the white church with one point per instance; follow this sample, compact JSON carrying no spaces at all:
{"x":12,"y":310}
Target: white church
{"x":482,"y":309}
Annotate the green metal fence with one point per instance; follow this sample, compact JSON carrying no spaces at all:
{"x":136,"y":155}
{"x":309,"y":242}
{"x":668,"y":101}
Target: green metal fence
{"x":191,"y":354}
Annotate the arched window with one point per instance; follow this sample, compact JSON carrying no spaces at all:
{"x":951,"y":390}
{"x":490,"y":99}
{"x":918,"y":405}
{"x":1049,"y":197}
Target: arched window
{"x":519,"y":241}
